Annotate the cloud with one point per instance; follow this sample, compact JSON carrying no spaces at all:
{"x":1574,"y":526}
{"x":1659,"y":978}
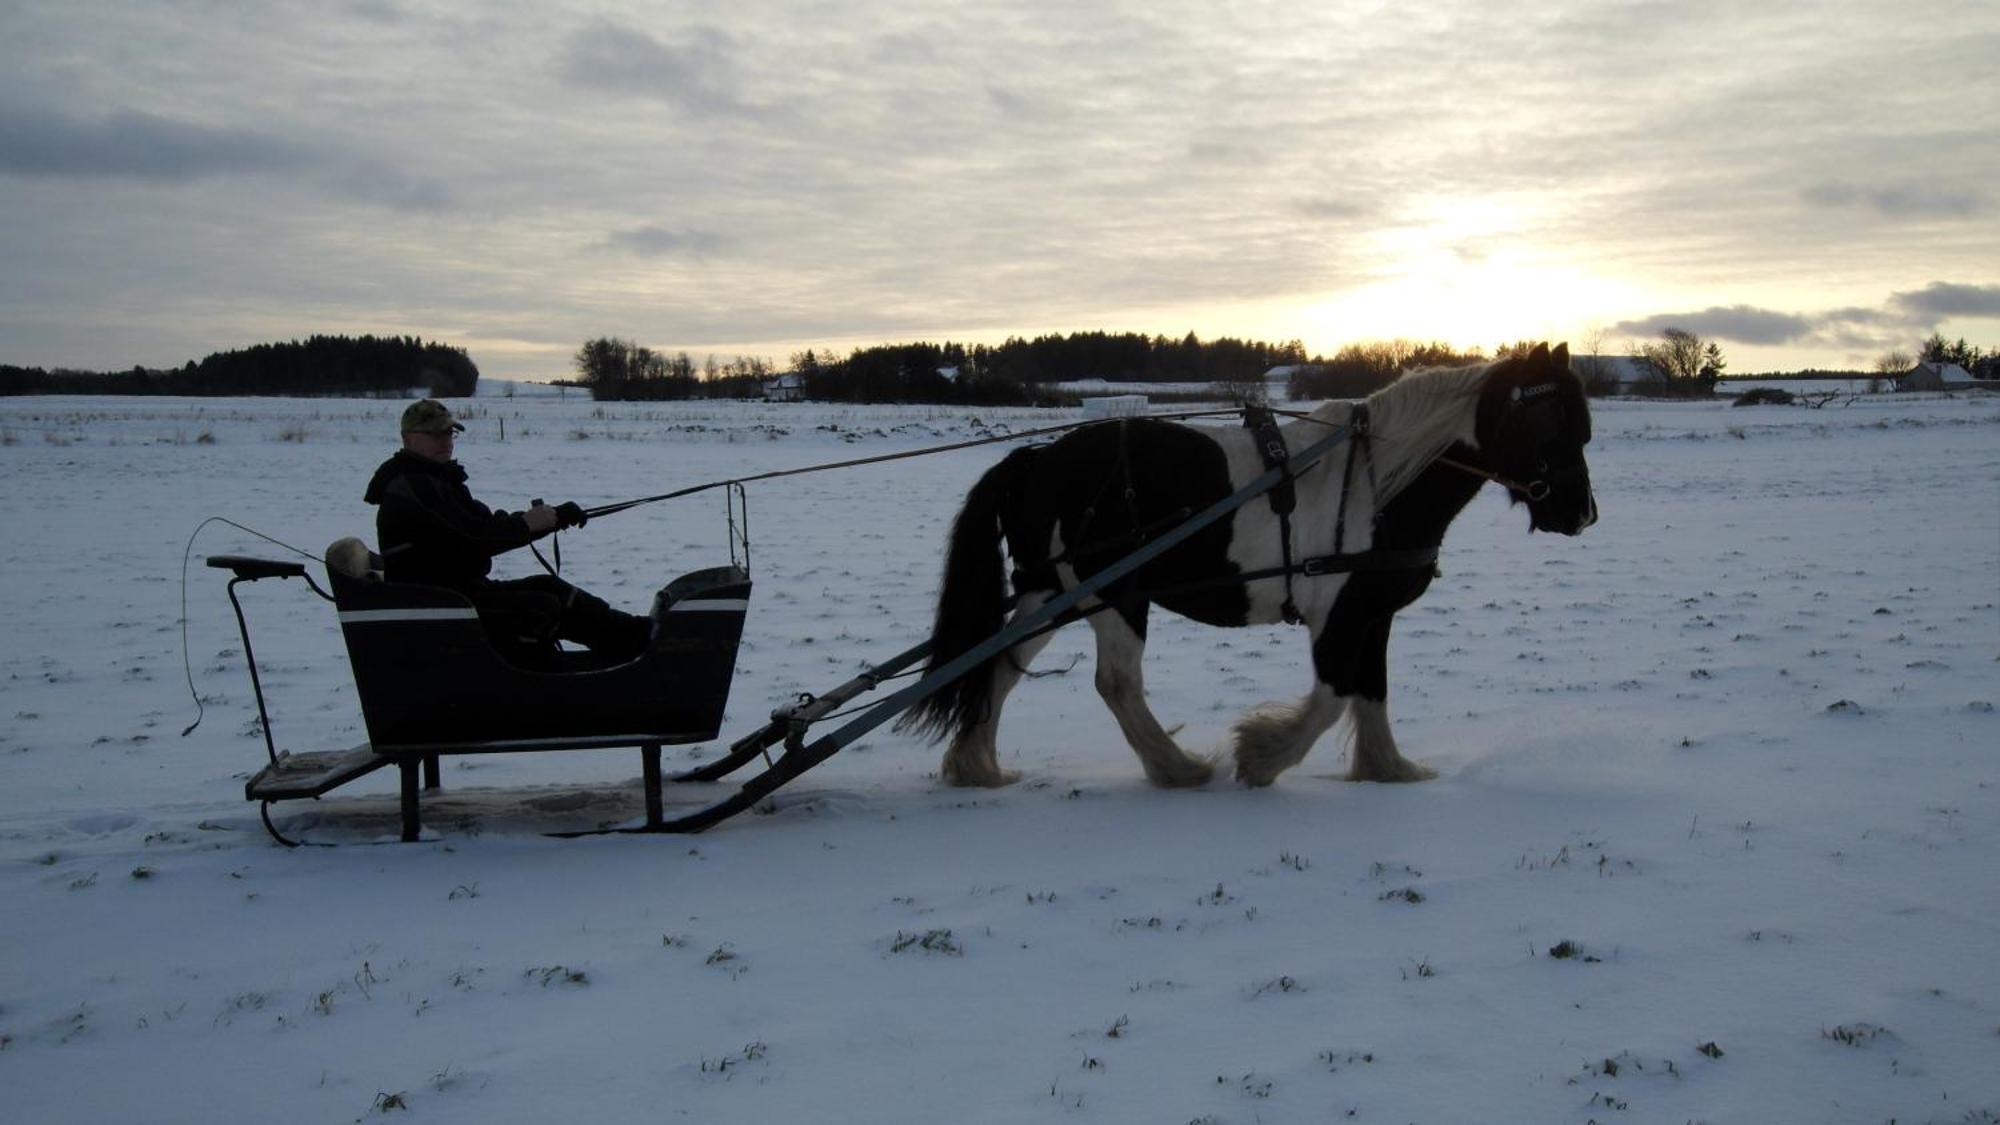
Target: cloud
{"x":372,"y":181}
{"x":1903,"y":317}
{"x":1941,"y":300}
{"x":132,"y":145}
{"x":145,"y":147}
{"x":659,"y":242}
{"x":1900,"y":201}
{"x":1328,"y":207}
{"x":698,"y":74}
{"x":1739,"y":323}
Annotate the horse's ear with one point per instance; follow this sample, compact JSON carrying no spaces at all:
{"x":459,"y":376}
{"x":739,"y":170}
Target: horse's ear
{"x":1559,"y":358}
{"x":1540,"y":354}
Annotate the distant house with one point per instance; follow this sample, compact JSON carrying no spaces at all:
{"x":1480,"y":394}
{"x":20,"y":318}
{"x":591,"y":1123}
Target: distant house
{"x":1616,"y":374}
{"x":1115,"y":406}
{"x":785,"y":388}
{"x":1278,"y":380}
{"x":1930,"y":376}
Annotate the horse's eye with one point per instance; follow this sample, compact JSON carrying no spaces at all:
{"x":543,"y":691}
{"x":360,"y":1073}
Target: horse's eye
{"x":1541,"y":466}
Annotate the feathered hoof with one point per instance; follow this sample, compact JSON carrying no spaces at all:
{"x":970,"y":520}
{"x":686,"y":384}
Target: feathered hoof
{"x":1397,"y":772}
{"x":1265,"y":741}
{"x":1256,"y":775}
{"x":959,"y":775}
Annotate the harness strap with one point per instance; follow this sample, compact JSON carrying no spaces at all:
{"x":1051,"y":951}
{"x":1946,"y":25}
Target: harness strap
{"x":1358,"y":421}
{"x":1120,"y":474}
{"x":1125,"y":470}
{"x":1283,"y":496}
{"x":1409,"y":558}
{"x":1119,"y":543}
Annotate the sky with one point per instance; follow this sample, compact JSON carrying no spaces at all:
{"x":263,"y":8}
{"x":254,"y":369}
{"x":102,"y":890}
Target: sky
{"x":1805,"y":184}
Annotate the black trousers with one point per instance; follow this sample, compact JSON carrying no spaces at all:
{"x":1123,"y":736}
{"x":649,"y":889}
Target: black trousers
{"x":526,"y":616}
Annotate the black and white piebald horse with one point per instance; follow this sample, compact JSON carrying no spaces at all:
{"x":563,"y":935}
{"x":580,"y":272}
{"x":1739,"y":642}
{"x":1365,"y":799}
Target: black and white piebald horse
{"x":1366,"y":523}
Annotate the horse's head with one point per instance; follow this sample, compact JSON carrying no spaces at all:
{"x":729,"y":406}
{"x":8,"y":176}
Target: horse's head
{"x":1533,"y":424}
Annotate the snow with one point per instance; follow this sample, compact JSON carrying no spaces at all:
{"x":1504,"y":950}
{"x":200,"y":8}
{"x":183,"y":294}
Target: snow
{"x":1733,"y":745}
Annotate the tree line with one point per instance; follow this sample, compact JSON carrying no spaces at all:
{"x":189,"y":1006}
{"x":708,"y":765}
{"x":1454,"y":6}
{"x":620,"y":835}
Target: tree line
{"x":315,"y":367}
{"x":1015,"y":371}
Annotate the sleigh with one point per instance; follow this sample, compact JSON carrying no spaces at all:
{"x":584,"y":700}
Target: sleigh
{"x":432,"y":682}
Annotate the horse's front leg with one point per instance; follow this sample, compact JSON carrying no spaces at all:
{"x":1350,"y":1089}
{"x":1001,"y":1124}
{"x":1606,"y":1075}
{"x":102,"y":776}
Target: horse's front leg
{"x":1121,"y":645}
{"x":974,"y":756}
{"x":1361,"y":677}
{"x":1273,"y":737}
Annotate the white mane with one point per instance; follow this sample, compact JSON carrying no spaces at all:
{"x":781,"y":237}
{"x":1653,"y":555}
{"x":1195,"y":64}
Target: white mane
{"x":1414,"y":419}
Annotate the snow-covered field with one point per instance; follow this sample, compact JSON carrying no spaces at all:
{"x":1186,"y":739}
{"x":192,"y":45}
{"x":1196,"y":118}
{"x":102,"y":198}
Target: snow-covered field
{"x":1716,"y":837}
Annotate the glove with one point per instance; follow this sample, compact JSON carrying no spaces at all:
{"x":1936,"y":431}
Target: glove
{"x":541,"y":519}
{"x":570,"y":514}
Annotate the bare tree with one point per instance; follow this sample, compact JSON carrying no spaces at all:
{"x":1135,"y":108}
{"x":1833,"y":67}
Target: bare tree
{"x":1685,"y":359}
{"x":1896,"y":361}
{"x":1588,"y":363}
{"x":1891,"y":366}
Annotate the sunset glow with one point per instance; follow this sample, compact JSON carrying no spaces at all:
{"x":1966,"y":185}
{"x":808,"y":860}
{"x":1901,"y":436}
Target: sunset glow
{"x":760,"y":179}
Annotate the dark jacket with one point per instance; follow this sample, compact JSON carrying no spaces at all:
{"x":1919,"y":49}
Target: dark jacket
{"x":430,"y":529}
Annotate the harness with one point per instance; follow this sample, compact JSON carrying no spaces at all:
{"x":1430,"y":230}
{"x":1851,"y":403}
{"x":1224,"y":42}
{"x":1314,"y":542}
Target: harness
{"x":1262,"y":423}
{"x":1534,"y":408}
{"x":1263,"y":427}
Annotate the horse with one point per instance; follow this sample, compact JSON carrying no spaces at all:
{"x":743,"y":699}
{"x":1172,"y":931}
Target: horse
{"x":1371,"y":515}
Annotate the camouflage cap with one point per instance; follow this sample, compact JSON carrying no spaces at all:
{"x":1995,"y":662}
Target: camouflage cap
{"x":429,"y":416}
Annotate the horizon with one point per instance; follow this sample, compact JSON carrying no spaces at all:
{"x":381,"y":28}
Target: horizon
{"x":783,"y":365}
{"x":762,"y":179}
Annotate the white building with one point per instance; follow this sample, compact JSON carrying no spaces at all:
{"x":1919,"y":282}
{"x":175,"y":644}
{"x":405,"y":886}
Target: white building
{"x":1115,"y":406}
{"x":790,"y":387}
{"x":1624,"y":374}
{"x":1929,"y":376}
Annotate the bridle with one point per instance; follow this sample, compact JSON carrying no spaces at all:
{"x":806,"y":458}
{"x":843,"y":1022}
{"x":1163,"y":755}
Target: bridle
{"x":1538,"y":410}
{"x":1534,"y":407}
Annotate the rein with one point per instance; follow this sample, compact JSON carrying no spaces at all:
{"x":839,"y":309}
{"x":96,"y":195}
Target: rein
{"x":1532,"y":490}
{"x":1270,"y":447}
{"x":622,"y":505}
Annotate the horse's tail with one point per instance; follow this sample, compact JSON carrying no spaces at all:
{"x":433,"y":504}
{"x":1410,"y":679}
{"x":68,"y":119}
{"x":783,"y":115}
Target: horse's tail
{"x":972,"y":604}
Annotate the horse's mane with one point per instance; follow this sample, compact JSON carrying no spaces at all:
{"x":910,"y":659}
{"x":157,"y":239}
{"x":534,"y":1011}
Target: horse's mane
{"x":1416,"y":418}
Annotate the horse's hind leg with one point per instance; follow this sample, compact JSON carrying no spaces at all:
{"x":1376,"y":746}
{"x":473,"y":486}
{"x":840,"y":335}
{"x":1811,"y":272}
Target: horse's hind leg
{"x":974,"y":756}
{"x":1120,"y":647}
{"x":1274,"y":737}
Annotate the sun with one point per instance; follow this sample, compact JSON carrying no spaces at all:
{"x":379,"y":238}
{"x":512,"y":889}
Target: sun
{"x":1467,"y":272}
